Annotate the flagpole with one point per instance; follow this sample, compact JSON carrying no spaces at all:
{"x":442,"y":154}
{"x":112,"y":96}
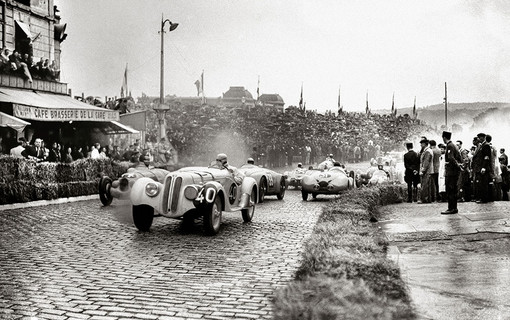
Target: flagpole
{"x":445,"y":106}
{"x":258,"y":88}
{"x":202,"y":84}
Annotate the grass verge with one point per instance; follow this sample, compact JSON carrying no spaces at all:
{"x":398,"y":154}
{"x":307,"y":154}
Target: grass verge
{"x":345,"y":273}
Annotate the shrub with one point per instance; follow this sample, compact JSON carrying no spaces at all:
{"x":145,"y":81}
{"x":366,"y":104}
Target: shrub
{"x":23,"y":180}
{"x":344,"y":272}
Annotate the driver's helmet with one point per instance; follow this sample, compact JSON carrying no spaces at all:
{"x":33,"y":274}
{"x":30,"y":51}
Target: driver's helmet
{"x":221,"y":157}
{"x":250,"y":161}
{"x":331,"y":155}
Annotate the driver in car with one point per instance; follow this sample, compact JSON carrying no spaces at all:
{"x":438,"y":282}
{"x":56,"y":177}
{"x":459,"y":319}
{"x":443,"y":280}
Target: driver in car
{"x":221,"y":161}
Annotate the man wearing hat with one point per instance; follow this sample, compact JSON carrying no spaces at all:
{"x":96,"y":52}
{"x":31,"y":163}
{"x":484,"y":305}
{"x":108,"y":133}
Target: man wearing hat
{"x":481,"y":169}
{"x":411,"y":176}
{"x":453,"y":162}
{"x":222,"y":163}
{"x":426,"y":170}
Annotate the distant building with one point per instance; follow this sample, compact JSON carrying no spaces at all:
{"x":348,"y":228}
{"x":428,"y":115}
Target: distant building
{"x":237,"y":97}
{"x":272,"y":100}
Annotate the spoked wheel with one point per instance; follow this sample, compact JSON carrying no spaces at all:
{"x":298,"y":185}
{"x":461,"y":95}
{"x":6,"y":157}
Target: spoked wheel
{"x":304,"y":194}
{"x":212,"y":217}
{"x":143,"y":216}
{"x":283,"y":187}
{"x":248,"y":212}
{"x":104,"y":191}
{"x":262,"y":189}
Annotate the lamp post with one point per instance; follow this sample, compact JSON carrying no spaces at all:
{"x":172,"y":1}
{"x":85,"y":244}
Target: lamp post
{"x":162,"y":108}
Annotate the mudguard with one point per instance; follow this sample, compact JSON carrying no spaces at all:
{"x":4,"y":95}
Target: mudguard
{"x":139,"y":197}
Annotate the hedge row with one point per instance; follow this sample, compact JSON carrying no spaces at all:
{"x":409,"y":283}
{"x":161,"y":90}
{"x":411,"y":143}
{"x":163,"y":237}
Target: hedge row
{"x":16,"y":169}
{"x":23,"y":180}
{"x":345,"y":273}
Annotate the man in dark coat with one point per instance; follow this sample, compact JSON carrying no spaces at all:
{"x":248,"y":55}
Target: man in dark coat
{"x":35,"y":152}
{"x":453,"y":163}
{"x":482,"y":167}
{"x":411,"y":176}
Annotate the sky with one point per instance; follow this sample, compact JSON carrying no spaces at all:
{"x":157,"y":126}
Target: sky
{"x":404,"y":47}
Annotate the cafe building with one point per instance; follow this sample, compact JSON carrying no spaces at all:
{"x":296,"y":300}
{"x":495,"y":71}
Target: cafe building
{"x":33,"y":101}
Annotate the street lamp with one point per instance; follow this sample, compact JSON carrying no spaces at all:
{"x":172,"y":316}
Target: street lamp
{"x":162,"y":108}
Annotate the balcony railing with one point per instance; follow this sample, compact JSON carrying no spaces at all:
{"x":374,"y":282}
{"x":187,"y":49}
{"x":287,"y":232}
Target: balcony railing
{"x":12,"y":81}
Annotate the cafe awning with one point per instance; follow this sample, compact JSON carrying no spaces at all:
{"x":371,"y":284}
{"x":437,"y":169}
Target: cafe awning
{"x":12,"y":122}
{"x":35,"y":105}
{"x":114,"y":127}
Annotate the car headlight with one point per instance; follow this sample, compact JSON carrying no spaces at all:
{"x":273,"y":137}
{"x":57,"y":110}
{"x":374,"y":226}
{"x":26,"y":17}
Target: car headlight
{"x":190,"y":192}
{"x":151,"y":189}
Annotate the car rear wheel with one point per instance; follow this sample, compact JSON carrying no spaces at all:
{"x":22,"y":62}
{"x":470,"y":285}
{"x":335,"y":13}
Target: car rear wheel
{"x":262,"y":189}
{"x":143,"y":216}
{"x":104,"y":191}
{"x":283,"y":187}
{"x":248,"y":212}
{"x":212,"y":217}
{"x":304,"y":195}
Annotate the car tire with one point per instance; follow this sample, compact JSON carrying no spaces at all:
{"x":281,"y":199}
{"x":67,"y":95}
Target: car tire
{"x":283,"y":187}
{"x":262,"y":189}
{"x":249,"y":212}
{"x":212,"y":217}
{"x":304,"y":195}
{"x":143,"y":215}
{"x":104,"y":191}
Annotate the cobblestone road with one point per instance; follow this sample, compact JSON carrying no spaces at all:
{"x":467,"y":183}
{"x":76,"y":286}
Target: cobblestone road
{"x":84,"y":261}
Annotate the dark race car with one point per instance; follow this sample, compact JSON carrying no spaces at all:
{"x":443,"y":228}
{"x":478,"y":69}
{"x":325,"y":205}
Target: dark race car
{"x":270,"y":183}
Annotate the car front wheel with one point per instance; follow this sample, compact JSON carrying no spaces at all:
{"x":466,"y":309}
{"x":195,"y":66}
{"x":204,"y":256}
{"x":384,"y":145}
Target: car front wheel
{"x":248,"y":212}
{"x":283,"y":187}
{"x":143,"y":216}
{"x":104,"y":191}
{"x":262,"y":189}
{"x":212,"y":217}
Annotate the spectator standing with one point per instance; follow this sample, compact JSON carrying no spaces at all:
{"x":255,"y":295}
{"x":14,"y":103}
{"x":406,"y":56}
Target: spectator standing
{"x":411,"y":175}
{"x":442,"y":182}
{"x":464,"y":184}
{"x":483,"y":161}
{"x":68,"y":158}
{"x":54,"y":155}
{"x":35,"y":152}
{"x":16,"y":151}
{"x":94,"y":154}
{"x":503,"y":156}
{"x":505,"y":178}
{"x":77,"y":153}
{"x":435,"y":175}
{"x":452,"y":170}
{"x":426,"y":170}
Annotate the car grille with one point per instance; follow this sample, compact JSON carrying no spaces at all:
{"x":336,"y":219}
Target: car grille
{"x":175,"y":193}
{"x":323,"y":184}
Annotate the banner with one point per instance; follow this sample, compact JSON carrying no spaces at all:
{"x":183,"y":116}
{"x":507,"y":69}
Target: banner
{"x":63,"y":114}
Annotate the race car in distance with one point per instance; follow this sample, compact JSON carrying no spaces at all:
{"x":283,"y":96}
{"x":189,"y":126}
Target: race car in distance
{"x":121,"y":188}
{"x":191,"y":193}
{"x":270,"y":182}
{"x":382,"y":170}
{"x":294,"y":177}
{"x":331,"y":181}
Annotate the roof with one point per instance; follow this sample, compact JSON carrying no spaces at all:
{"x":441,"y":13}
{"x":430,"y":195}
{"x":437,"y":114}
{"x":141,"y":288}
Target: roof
{"x":237,"y":92}
{"x":271,"y":98}
{"x":35,"y":105}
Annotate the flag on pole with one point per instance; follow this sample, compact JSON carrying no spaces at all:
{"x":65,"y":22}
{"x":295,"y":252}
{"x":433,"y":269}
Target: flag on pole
{"x":200,"y":84}
{"x":366,"y":108}
{"x":393,"y":111}
{"x":199,"y":88}
{"x":258,"y":88}
{"x":415,"y":115}
{"x":124,"y":88}
{"x":339,"y":105}
{"x":301,"y":98}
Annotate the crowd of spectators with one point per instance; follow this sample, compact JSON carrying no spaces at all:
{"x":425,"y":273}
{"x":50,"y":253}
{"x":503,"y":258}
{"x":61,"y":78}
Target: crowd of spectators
{"x":25,"y":66}
{"x":277,"y":138}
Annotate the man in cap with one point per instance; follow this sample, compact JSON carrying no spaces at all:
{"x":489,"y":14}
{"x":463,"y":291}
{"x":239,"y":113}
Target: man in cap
{"x":453,"y":162}
{"x":411,"y":176}
{"x":222,"y":163}
{"x":426,"y":170}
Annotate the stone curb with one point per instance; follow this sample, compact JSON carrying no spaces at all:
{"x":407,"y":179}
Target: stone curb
{"x":40,"y":203}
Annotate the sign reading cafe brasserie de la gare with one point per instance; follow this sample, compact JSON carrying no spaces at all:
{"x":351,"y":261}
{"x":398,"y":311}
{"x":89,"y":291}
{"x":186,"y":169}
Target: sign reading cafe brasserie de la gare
{"x":64,"y":114}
